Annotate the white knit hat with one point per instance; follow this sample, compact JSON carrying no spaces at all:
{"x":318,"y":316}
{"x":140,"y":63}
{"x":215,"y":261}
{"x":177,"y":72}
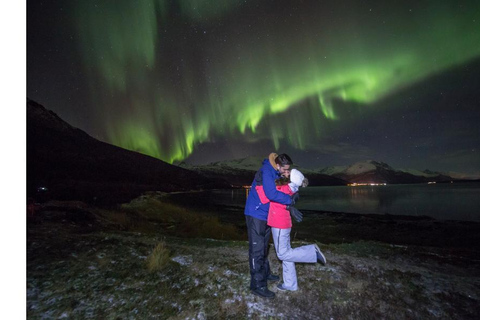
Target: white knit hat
{"x":296,"y":177}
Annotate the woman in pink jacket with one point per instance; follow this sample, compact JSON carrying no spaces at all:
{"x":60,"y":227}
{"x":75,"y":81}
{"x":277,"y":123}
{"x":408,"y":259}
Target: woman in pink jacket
{"x":281,"y":222}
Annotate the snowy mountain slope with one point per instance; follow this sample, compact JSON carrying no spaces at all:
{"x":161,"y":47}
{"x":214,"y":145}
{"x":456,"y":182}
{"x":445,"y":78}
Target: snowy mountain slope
{"x":427,"y":174}
{"x":240,"y":172}
{"x":332,"y":170}
{"x":371,"y":171}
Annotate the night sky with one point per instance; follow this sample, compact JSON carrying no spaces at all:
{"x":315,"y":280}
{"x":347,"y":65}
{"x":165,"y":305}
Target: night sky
{"x":328,"y":82}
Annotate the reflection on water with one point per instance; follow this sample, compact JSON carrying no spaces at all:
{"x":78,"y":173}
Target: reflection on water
{"x":457,"y":201}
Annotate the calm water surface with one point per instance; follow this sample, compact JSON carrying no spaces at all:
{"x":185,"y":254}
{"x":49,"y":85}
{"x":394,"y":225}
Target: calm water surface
{"x":444,"y":201}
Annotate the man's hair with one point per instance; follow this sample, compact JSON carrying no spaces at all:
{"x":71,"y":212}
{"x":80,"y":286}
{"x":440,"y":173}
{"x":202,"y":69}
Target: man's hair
{"x":283,"y":160}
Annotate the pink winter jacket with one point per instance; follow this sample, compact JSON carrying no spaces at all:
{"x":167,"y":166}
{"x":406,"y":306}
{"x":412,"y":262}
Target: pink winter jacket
{"x":278,"y":215}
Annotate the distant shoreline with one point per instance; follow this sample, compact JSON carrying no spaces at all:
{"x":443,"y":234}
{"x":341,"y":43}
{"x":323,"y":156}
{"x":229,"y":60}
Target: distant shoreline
{"x":340,"y":227}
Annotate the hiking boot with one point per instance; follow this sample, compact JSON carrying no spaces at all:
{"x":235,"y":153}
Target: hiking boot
{"x":263,"y":292}
{"x":281,"y":287}
{"x":273,"y":277}
{"x":320,"y":256}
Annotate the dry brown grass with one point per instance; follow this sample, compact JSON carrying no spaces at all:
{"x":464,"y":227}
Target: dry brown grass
{"x":150,"y":214}
{"x":116,"y":217}
{"x":176,"y":220}
{"x":159,"y":258}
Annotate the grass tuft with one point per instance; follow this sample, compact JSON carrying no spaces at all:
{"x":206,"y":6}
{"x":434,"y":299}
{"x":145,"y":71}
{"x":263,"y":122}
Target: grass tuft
{"x":159,"y":258}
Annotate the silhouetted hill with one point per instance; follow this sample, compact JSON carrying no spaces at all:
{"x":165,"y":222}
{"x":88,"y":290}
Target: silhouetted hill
{"x":73,"y":165}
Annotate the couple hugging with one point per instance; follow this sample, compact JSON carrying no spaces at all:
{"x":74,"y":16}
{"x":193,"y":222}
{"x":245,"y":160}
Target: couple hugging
{"x":267,"y":211}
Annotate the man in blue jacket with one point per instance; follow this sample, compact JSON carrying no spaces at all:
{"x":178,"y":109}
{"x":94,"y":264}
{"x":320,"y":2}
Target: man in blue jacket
{"x":256,"y":215}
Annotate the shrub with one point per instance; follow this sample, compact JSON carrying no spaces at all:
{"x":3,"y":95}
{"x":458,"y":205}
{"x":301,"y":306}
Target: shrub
{"x":159,"y":258}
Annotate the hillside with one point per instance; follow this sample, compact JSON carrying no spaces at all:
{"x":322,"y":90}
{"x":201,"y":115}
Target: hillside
{"x":67,"y":163}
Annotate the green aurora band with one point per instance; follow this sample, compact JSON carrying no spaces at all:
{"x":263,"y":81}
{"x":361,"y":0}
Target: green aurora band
{"x":168,"y":77}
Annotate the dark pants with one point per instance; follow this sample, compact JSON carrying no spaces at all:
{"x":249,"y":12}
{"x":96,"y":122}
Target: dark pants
{"x":258,"y":238}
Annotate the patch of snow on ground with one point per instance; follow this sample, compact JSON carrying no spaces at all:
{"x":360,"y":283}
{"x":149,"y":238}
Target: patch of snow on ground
{"x":235,"y":298}
{"x":255,"y":308}
{"x":229,"y":273}
{"x":183,"y":260}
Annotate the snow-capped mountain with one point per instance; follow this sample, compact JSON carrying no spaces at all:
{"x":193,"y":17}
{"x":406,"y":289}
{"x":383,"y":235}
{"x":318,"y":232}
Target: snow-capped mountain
{"x":332,"y":170}
{"x":248,"y":163}
{"x":371,"y":171}
{"x":425,"y":173}
{"x":363,"y":167}
{"x":240,"y":172}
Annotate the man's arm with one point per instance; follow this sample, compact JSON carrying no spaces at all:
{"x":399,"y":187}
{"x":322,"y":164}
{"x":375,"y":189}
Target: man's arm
{"x":271,"y":191}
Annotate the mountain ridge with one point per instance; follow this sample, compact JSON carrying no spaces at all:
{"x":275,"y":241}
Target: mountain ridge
{"x":240,"y":172}
{"x":371,"y":171}
{"x":368,"y":171}
{"x":72,"y":165}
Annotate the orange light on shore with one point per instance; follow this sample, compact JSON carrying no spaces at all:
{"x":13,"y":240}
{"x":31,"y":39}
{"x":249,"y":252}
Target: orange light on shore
{"x":247,"y":190}
{"x":366,"y":184}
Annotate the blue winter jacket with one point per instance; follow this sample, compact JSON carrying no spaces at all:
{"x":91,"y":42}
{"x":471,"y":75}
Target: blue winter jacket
{"x":254,"y":206}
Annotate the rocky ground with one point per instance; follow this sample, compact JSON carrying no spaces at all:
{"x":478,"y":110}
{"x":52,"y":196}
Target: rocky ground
{"x":83,"y":262}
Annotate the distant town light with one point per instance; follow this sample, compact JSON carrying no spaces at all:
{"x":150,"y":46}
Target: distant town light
{"x":366,"y":184}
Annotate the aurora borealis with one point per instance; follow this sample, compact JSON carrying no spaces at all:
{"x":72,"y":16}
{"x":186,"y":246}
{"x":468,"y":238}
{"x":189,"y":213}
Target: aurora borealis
{"x":329,"y":82}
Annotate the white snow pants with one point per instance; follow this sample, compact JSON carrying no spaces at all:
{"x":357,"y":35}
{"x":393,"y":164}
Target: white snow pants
{"x":288,"y":256}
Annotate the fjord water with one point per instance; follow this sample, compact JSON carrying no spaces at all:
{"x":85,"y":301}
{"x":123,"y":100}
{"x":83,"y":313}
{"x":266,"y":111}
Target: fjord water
{"x":442,"y":201}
